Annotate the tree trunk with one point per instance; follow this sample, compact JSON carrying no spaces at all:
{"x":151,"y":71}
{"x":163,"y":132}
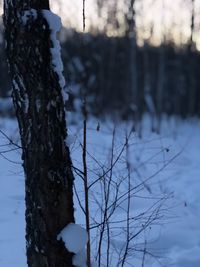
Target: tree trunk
{"x":133,"y":64}
{"x":39,"y":106}
{"x":191,"y":67}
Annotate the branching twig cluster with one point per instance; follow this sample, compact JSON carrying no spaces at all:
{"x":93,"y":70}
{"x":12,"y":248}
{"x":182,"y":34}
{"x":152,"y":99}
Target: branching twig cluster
{"x":111,"y":190}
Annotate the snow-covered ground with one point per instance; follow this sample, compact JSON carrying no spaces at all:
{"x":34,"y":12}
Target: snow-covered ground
{"x":164,"y":168}
{"x":12,"y":222}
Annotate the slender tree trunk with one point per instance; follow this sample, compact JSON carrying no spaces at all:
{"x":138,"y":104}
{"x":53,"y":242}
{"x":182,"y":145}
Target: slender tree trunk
{"x":131,"y":34}
{"x":147,"y":88}
{"x":191,"y":68}
{"x":40,"y":112}
{"x":160,"y":86}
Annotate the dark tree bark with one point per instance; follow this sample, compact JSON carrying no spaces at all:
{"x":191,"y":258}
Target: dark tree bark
{"x":40,"y":112}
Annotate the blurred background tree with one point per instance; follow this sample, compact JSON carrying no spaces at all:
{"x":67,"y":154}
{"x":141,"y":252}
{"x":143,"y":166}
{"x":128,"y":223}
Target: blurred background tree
{"x":135,"y":57}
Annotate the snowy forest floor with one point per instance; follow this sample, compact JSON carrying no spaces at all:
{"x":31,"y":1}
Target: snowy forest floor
{"x":168,"y":166}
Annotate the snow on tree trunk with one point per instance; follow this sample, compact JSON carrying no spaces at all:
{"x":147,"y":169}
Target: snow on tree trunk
{"x":39,"y":106}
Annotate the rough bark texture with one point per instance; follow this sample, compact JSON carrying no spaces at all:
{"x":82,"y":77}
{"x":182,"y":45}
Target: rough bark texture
{"x":40,"y":112}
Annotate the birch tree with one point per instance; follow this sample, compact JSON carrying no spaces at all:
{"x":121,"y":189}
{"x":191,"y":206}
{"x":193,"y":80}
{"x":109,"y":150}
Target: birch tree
{"x":37,"y":82}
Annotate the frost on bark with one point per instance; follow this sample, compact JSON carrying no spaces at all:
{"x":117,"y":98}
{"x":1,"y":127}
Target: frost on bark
{"x":39,"y":108}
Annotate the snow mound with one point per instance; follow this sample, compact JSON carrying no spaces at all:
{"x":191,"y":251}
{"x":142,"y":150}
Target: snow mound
{"x":74,"y":237}
{"x":55,"y":25}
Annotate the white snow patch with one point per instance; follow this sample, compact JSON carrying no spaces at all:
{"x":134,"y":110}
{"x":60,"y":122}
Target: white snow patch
{"x":74,"y":237}
{"x":55,"y":25}
{"x":15,"y":85}
{"x":29,"y":14}
{"x":70,"y":139}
